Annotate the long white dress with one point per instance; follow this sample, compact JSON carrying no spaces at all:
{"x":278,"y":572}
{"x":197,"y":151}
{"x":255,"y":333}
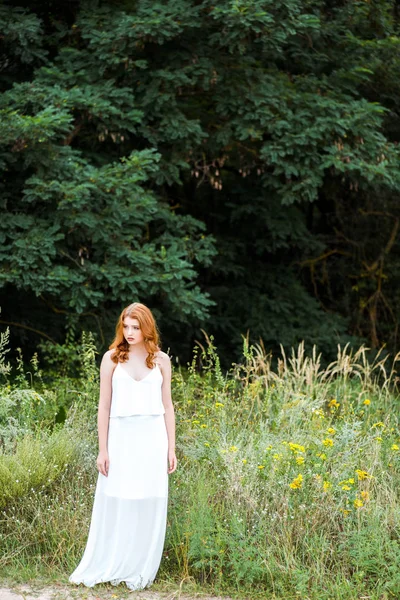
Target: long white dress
{"x":127,"y":530}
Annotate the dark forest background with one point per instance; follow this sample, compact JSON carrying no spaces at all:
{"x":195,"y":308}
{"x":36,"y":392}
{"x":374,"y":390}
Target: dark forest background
{"x":234,"y":165}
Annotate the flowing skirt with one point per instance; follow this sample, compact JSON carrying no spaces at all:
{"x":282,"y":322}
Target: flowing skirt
{"x":127,"y":529}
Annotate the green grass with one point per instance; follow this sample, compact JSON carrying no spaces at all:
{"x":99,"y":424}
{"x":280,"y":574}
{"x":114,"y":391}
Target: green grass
{"x":287,"y":485}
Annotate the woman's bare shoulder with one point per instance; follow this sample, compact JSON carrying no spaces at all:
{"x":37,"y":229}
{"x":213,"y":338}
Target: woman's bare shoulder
{"x":162,"y":357}
{"x":107,"y":359}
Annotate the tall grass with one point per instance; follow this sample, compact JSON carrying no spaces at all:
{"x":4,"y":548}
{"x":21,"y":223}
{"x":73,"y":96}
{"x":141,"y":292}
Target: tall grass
{"x":287,"y":485}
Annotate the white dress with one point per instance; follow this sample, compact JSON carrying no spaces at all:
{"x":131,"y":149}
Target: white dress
{"x":127,"y":530}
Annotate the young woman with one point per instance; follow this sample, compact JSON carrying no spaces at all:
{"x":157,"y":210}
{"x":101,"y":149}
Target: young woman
{"x":136,"y":426}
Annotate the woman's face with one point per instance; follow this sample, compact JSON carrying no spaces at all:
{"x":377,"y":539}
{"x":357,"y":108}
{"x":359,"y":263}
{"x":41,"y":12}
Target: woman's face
{"x":132,"y":332}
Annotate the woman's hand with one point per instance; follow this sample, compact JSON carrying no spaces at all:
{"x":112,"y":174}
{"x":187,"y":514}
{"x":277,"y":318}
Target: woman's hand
{"x":103,"y":462}
{"x":172,"y":462}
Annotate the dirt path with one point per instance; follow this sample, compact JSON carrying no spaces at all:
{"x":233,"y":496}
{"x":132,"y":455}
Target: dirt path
{"x":32,"y":592}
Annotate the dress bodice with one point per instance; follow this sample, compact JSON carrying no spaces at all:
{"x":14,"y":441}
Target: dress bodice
{"x":133,"y":397}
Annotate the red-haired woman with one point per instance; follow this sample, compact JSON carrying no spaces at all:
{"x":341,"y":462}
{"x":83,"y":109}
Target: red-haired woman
{"x":136,"y":426}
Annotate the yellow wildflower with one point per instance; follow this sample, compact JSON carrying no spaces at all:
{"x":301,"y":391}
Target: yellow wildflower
{"x":296,"y":447}
{"x":268,"y":448}
{"x":358,"y":503}
{"x":395,"y":447}
{"x":346,"y":481}
{"x":378,"y":439}
{"x":327,"y":442}
{"x":365,"y":495}
{"x":318,"y":412}
{"x":327,"y":485}
{"x":203,"y":426}
{"x":345,"y":511}
{"x":363,"y":474}
{"x":321,"y":455}
{"x":331,"y":430}
{"x":300,"y":460}
{"x":277,"y":456}
{"x":261,"y":467}
{"x":378,"y":424}
{"x":233,"y":449}
{"x":207,"y":444}
{"x":333,"y":403}
{"x":195,"y":422}
{"x":244,"y":461}
{"x":367,"y":402}
{"x":297,"y":482}
{"x":217,"y":404}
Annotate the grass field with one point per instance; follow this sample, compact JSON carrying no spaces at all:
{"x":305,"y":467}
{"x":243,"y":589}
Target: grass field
{"x":287,"y":486}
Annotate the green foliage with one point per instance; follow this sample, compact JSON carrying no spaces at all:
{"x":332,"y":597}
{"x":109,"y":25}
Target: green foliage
{"x":241,"y":520}
{"x":36,"y":464}
{"x":5,"y":366}
{"x":235,"y":165}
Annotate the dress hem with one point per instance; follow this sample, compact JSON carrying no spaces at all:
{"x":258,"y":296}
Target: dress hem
{"x":115,"y":582}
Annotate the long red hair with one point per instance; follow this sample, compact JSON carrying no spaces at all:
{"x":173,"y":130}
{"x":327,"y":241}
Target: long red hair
{"x":148,"y":327}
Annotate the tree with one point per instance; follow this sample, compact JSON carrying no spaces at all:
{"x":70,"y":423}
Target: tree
{"x":267,"y":125}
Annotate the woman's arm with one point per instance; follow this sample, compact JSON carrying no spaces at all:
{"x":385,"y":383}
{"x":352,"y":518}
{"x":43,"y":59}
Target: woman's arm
{"x":169,"y":416}
{"x":106,"y":370}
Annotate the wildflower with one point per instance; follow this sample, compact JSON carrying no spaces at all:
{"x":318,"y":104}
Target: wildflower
{"x":321,"y":455}
{"x":261,"y":467}
{"x":244,"y":461}
{"x":327,"y":485}
{"x":367,"y":402}
{"x":277,"y":456}
{"x":333,"y":403}
{"x":378,"y":424}
{"x":319,"y":413}
{"x":378,"y":439}
{"x":363,"y":474}
{"x":233,"y":449}
{"x":345,"y":511}
{"x":395,"y":447}
{"x":346,"y":488}
{"x":296,"y":447}
{"x":268,"y":448}
{"x":207,"y":444}
{"x":203,"y":426}
{"x":331,"y":430}
{"x":297,"y":482}
{"x":327,"y":442}
{"x":358,"y":503}
{"x":300,"y":460}
{"x":365,"y":495}
{"x":195,"y":422}
{"x":217,"y":404}
{"x":346,"y":481}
